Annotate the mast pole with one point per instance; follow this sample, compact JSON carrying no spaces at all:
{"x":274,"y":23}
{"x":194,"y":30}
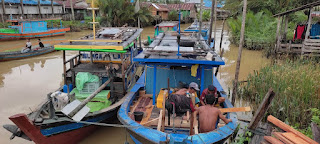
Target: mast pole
{"x":200,"y":21}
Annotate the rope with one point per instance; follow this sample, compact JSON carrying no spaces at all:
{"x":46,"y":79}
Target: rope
{"x":104,"y":124}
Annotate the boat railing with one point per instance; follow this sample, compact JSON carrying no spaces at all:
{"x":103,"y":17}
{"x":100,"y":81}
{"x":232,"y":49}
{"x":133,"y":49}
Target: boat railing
{"x":73,"y":62}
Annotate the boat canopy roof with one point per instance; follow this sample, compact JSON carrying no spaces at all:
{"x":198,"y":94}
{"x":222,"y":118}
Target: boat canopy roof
{"x":195,"y":26}
{"x":107,"y":39}
{"x":167,"y":24}
{"x":163,"y":51}
{"x":23,"y":20}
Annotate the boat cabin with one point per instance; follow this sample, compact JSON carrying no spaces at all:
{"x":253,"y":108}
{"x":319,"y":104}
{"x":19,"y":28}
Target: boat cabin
{"x":194,"y":27}
{"x":165,"y":26}
{"x":30,"y":25}
{"x":171,"y":63}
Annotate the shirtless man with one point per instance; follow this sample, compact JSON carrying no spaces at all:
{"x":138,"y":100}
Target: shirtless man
{"x":208,"y":116}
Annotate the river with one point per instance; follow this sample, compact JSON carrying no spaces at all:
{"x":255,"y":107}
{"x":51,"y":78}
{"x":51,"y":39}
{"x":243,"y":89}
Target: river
{"x":25,"y":83}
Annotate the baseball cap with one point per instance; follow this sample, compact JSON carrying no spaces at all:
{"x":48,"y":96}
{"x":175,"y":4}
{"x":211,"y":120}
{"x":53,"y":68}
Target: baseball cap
{"x":211,"y":88}
{"x":194,"y":85}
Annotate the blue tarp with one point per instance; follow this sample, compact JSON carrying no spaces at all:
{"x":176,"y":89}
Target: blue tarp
{"x":208,"y":3}
{"x":30,"y":2}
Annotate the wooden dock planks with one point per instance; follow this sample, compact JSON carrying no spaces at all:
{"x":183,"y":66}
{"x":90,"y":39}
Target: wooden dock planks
{"x":272,"y":140}
{"x":282,"y":138}
{"x":294,"y":138}
{"x":288,"y":128}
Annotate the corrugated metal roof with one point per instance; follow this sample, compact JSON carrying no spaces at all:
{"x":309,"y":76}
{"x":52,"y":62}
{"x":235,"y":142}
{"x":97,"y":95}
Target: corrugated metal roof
{"x":184,"y":6}
{"x":75,"y":3}
{"x":30,"y":2}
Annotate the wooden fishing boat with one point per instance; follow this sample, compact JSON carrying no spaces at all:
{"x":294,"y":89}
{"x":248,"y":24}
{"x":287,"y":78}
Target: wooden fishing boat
{"x":30,"y":28}
{"x":7,"y":56}
{"x":168,"y":59}
{"x":107,"y":59}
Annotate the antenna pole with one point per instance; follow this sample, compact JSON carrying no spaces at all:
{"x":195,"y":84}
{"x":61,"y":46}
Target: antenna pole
{"x":178,"y":37}
{"x":93,"y":20}
{"x":200,"y":21}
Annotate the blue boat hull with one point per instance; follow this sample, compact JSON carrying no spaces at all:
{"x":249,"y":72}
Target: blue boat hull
{"x":141,"y":134}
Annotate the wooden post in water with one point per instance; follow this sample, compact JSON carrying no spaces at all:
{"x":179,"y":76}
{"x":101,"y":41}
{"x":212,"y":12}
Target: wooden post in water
{"x":264,"y":106}
{"x":211,"y":22}
{"x":215,"y":23}
{"x":244,"y":13}
{"x":220,"y":46}
{"x":64,"y":66}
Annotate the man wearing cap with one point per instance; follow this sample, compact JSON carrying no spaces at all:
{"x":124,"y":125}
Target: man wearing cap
{"x":211,"y":90}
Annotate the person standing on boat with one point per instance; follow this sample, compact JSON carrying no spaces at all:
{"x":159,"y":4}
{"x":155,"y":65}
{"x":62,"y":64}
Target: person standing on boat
{"x":211,"y":90}
{"x":28,"y":47}
{"x":209,"y":114}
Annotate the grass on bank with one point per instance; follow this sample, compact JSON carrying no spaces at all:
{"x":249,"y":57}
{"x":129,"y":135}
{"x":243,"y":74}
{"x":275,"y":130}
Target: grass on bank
{"x":297,"y":88}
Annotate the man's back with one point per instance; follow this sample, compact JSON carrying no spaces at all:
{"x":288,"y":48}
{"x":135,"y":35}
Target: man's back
{"x":208,"y":116}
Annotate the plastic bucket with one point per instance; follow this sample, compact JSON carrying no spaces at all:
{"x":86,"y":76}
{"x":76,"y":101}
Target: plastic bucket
{"x":138,"y":115}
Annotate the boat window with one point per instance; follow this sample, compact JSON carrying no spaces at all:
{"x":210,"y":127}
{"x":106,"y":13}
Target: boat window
{"x":40,"y":24}
{"x":15,"y":23}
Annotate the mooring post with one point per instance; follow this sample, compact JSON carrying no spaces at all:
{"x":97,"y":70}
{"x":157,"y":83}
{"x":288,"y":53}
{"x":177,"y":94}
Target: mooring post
{"x":244,"y":13}
{"x":264,"y":106}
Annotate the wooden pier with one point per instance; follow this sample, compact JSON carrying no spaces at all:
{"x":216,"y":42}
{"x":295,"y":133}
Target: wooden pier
{"x":308,"y":46}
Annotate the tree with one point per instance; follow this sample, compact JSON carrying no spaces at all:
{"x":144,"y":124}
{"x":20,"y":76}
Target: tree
{"x":120,"y":12}
{"x":173,"y":15}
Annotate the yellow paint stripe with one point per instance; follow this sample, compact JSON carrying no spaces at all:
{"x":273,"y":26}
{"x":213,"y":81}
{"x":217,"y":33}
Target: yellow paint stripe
{"x":90,"y":47}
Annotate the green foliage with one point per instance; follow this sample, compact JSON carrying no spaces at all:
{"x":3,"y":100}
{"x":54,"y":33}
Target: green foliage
{"x":206,"y":15}
{"x":243,"y":138}
{"x":275,"y":6}
{"x":74,"y":25}
{"x":4,"y":25}
{"x":173,"y":15}
{"x":121,"y":12}
{"x":296,"y":85}
{"x":260,"y":29}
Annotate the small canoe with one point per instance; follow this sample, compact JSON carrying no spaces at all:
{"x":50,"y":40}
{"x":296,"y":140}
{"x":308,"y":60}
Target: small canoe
{"x":6,"y":56}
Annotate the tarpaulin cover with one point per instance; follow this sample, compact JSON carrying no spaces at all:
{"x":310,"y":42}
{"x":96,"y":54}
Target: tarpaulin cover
{"x":99,"y":102}
{"x":83,"y":77}
{"x":30,"y":2}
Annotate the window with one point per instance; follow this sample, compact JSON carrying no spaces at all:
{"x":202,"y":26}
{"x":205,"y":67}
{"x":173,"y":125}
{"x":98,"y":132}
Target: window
{"x":40,"y":24}
{"x":45,"y":8}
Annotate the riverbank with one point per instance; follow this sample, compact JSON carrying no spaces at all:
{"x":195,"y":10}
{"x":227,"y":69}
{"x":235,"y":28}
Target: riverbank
{"x":296,"y":84}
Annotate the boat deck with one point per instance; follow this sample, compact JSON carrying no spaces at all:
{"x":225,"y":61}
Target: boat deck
{"x":152,"y":115}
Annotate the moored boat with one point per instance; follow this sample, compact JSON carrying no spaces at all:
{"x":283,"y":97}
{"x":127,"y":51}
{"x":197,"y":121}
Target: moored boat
{"x":7,"y":56}
{"x":30,"y":28}
{"x":172,"y":59}
{"x":96,"y":82}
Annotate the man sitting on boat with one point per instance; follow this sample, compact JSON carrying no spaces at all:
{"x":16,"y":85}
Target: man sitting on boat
{"x":28,"y":47}
{"x":181,"y":100}
{"x":209,"y":114}
{"x":211,"y":90}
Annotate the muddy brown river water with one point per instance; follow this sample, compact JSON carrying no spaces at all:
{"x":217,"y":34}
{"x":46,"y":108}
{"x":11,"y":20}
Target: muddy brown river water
{"x":25,"y":83}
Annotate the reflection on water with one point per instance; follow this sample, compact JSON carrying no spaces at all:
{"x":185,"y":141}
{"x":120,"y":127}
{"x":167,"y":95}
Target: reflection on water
{"x":19,"y":44}
{"x":25,"y":83}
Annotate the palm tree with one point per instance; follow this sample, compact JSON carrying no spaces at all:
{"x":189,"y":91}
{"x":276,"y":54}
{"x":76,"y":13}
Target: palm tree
{"x":120,"y":12}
